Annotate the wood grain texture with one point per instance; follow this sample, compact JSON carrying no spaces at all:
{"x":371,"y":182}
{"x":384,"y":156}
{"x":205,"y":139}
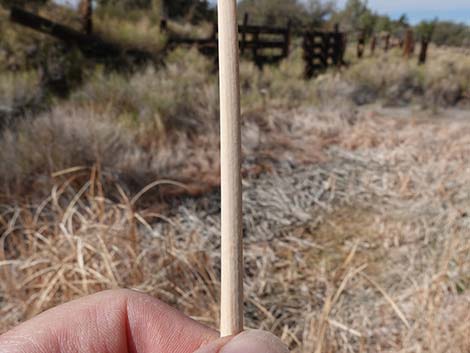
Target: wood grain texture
{"x":231,"y":224}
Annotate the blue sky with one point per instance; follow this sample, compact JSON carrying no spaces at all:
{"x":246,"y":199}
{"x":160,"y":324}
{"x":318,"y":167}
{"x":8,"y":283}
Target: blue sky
{"x":416,"y":10}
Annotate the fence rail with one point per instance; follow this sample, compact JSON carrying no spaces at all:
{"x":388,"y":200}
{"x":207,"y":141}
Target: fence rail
{"x":253,"y":41}
{"x":90,"y":45}
{"x":407,"y":43}
{"x":323,"y":49}
{"x":262,"y":44}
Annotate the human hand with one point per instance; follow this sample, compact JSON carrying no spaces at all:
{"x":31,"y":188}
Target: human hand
{"x":123,"y":321}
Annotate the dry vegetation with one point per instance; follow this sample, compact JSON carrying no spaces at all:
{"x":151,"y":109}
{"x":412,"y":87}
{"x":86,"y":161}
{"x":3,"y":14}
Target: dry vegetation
{"x":370,"y":252}
{"x":357,"y":219}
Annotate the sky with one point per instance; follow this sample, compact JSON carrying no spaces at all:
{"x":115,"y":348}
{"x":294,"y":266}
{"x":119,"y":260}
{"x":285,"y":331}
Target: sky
{"x":416,"y":10}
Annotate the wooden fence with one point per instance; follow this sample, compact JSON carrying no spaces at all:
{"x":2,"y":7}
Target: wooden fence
{"x":263,"y":44}
{"x":270,"y":45}
{"x":407,"y":42}
{"x":90,"y":45}
{"x":323,"y":49}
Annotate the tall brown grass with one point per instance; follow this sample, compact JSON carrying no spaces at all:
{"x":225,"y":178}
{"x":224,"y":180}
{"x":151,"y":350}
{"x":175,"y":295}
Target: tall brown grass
{"x":378,"y":263}
{"x":356,"y":223}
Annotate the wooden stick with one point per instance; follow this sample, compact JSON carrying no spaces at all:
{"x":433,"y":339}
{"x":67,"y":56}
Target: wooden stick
{"x":231,"y":321}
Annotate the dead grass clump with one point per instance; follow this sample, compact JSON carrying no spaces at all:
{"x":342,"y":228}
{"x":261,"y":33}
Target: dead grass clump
{"x":182,"y":96}
{"x":97,"y":244}
{"x":18,"y":90}
{"x":188,"y":30}
{"x":390,"y":79}
{"x":448,"y":77}
{"x":65,"y":138}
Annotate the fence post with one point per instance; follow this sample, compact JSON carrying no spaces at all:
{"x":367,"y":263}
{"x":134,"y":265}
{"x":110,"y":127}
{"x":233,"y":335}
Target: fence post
{"x":336,"y":45}
{"x":245,"y":24}
{"x":86,"y":15}
{"x":307,"y":56}
{"x":401,"y":42}
{"x":424,"y":51}
{"x":408,"y":44}
{"x":287,"y":39}
{"x":361,"y":44}
{"x":255,"y":45}
{"x":163,"y":25}
{"x":344,"y":45}
{"x":326,"y":48}
{"x":214,"y":32}
{"x":214,"y":42}
{"x":387,"y":42}
{"x":373,"y":45}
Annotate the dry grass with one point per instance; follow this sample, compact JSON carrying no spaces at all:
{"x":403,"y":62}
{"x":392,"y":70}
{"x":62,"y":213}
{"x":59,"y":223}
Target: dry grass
{"x":179,"y":97}
{"x":357,"y":226}
{"x":18,"y":90}
{"x":142,"y":34}
{"x":187,"y":30}
{"x":390,"y":79}
{"x":371,"y":250}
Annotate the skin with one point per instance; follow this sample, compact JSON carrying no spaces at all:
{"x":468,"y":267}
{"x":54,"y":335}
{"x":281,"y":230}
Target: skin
{"x":123,"y":321}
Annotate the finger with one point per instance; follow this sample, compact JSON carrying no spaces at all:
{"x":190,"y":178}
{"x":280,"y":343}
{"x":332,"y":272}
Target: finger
{"x":114,"y":322}
{"x":247,"y":342}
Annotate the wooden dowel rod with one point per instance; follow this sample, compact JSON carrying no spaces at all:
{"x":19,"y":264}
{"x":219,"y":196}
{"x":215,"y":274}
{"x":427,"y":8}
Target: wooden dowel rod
{"x":231,"y":321}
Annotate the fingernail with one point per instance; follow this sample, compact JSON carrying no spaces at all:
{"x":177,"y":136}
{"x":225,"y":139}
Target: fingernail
{"x":255,"y":342}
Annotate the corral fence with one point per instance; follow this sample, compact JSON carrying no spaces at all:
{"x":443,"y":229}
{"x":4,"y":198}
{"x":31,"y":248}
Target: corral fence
{"x":408,"y":43}
{"x":323,"y":49}
{"x":270,"y":45}
{"x":262,"y":44}
{"x":89,"y":44}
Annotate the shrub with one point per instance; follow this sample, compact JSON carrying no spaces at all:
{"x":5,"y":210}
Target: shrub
{"x":17,"y":88}
{"x":61,"y":139}
{"x":181,"y":96}
{"x":143,"y":33}
{"x":394,"y":81}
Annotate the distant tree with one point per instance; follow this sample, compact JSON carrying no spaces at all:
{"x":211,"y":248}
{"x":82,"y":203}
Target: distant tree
{"x":273,"y":12}
{"x":318,"y":11}
{"x":192,"y":10}
{"x":357,"y":17}
{"x":383,"y":24}
{"x":367,"y":23}
{"x":451,"y":33}
{"x":278,"y":12}
{"x":404,"y":21}
{"x":126,"y":4}
{"x":354,"y":13}
{"x":425,"y":29}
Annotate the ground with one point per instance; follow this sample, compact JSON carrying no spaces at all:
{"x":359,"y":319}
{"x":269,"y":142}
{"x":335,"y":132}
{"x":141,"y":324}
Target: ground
{"x":359,"y":243}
